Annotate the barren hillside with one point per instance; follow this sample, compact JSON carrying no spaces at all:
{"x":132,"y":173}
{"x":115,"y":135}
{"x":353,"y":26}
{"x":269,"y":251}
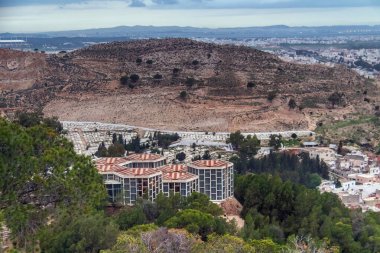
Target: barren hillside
{"x":85,"y":85}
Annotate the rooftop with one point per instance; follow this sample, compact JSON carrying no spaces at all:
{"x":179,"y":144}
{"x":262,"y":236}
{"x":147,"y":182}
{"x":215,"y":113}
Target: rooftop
{"x":210,"y":163}
{"x":137,"y":172}
{"x":144,"y":157}
{"x":110,"y":160}
{"x":173,"y":168}
{"x":179,"y":176}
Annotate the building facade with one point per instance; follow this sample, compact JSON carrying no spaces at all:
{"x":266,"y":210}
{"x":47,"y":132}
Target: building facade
{"x":216,"y":178}
{"x":146,"y":175}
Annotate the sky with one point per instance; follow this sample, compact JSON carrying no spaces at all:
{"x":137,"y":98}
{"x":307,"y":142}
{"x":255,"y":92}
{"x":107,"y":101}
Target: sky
{"x":59,"y":15}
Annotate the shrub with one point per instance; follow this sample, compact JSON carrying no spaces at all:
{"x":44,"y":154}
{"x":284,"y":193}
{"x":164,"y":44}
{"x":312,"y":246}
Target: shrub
{"x":183,"y":94}
{"x":292,"y":103}
{"x":195,"y":62}
{"x":134,"y":78}
{"x":336,"y":98}
{"x":150,"y":62}
{"x":138,"y":60}
{"x":124,"y":80}
{"x":157,"y":76}
{"x":176,"y":71}
{"x":251,"y":85}
{"x":190,"y":81}
{"x":180,"y":156}
{"x":271,"y":95}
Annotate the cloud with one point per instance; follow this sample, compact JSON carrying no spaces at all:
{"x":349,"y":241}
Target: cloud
{"x":209,"y":4}
{"x":137,"y":3}
{"x":165,"y":2}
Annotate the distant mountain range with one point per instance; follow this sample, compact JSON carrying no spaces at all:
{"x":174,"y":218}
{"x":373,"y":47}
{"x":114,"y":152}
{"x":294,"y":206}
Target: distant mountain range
{"x":133,"y":32}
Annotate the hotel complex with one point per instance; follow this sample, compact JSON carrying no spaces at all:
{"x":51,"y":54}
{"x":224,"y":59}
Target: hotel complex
{"x":146,"y":175}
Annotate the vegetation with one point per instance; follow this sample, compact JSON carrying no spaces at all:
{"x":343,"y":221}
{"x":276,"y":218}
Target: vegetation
{"x":183,"y":94}
{"x":157,"y":76}
{"x":298,"y":169}
{"x":280,"y":210}
{"x":336,"y":98}
{"x":180,"y":156}
{"x":134,"y":78}
{"x":195,"y":62}
{"x":251,"y":85}
{"x":271,"y":95}
{"x":42,"y":178}
{"x":190,"y":81}
{"x":275,"y":141}
{"x":164,"y":140}
{"x":292,"y":104}
{"x":247,"y":147}
{"x":124,"y":80}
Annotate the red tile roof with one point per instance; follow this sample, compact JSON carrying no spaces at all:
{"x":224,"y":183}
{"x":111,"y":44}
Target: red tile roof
{"x":143,"y":157}
{"x":110,"y":160}
{"x":210,"y":163}
{"x":134,"y":172}
{"x":173,"y":168}
{"x":178,"y":176}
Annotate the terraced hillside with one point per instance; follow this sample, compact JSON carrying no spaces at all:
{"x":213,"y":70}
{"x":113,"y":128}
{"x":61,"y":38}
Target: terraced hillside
{"x":182,"y":84}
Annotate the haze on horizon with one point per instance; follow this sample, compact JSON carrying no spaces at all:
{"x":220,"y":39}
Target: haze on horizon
{"x":59,"y":15}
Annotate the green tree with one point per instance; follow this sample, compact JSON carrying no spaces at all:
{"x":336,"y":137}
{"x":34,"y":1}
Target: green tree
{"x":180,"y":156}
{"x":134,"y":78}
{"x":236,"y":139}
{"x":271,"y":95}
{"x":193,"y":221}
{"x":40,"y":169}
{"x":124,"y":80}
{"x":183,"y":94}
{"x":336,"y":98}
{"x":206,"y":155}
{"x":83,"y":233}
{"x":292,"y":103}
{"x":275,"y":141}
{"x":131,"y":216}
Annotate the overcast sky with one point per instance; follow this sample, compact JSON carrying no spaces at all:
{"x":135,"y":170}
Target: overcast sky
{"x":58,"y":15}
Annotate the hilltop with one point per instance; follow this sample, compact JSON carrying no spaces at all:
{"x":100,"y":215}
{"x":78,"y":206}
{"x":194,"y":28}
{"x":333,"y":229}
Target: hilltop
{"x":226,"y":87}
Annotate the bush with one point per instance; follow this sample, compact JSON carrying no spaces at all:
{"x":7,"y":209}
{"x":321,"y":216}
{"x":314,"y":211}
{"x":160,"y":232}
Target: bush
{"x":134,"y":78}
{"x":336,"y":98}
{"x":271,"y":96}
{"x":176,"y":71}
{"x":150,"y":62}
{"x":124,"y":80}
{"x":157,"y":76}
{"x":183,"y":94}
{"x":251,"y":85}
{"x":195,"y":62}
{"x":138,"y":60}
{"x":180,"y":156}
{"x":190,"y":81}
{"x":292,"y":103}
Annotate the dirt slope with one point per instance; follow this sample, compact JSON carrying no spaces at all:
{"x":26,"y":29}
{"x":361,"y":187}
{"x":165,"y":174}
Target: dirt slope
{"x":85,"y":85}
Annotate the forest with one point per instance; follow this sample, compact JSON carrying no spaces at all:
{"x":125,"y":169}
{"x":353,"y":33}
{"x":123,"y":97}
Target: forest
{"x":53,"y":200}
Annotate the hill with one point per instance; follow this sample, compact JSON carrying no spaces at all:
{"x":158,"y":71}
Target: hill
{"x":85,"y":85}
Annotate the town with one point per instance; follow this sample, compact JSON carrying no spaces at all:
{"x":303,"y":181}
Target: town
{"x":354,"y":174}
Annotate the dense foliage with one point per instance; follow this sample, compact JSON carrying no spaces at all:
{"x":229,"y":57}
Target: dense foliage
{"x":296,"y":168}
{"x":277,"y":209}
{"x":41,"y":176}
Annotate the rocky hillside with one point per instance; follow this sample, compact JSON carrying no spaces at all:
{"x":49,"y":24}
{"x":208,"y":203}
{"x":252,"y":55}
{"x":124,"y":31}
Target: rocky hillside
{"x":223,"y":87}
